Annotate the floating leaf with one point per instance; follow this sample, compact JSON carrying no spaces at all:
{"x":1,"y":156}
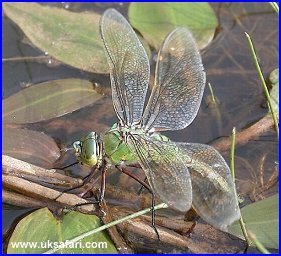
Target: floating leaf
{"x":48,"y":100}
{"x":261,"y":218}
{"x":155,"y":20}
{"x":43,"y":231}
{"x":274,"y":76}
{"x":274,"y":93}
{"x":30,"y":146}
{"x":72,"y":38}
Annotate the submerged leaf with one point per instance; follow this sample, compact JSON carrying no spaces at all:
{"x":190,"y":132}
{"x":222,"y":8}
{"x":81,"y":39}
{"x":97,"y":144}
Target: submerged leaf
{"x":155,"y":20}
{"x":45,"y":232}
{"x":72,"y":38}
{"x":30,"y":146}
{"x":261,"y":218}
{"x":274,"y":93}
{"x":48,"y":100}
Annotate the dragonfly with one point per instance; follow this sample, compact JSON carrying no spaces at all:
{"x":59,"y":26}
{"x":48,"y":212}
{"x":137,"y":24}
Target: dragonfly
{"x":182,"y":175}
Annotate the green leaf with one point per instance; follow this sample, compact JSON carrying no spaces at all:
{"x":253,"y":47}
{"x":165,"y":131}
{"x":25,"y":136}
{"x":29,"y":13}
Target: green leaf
{"x":274,"y":93}
{"x":155,"y":20}
{"x":261,"y":218}
{"x":30,"y":146}
{"x":42,"y":228}
{"x":274,"y":76}
{"x":72,"y":38}
{"x":48,"y":100}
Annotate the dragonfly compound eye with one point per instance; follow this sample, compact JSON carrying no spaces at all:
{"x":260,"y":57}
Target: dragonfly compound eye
{"x":87,"y":149}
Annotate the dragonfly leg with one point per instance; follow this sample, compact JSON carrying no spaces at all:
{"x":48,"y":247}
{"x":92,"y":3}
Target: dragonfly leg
{"x":74,"y":207}
{"x":191,"y":229}
{"x":134,"y":165}
{"x":145,"y":179}
{"x":141,"y":188}
{"x":103,"y":178}
{"x":66,"y":166}
{"x":102,"y":190}
{"x":127,"y":172}
{"x":102,"y":187}
{"x":153,"y":216}
{"x":99,"y":213}
{"x":82,"y":194}
{"x":85,"y":181}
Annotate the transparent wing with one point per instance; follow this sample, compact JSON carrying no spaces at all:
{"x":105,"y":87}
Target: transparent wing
{"x":129,"y":66}
{"x":167,"y":174}
{"x":179,"y":84}
{"x":213,"y":190}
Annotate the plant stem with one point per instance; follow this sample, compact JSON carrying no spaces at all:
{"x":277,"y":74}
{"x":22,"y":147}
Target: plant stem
{"x":275,"y":6}
{"x":232,"y":169}
{"x":244,"y":231}
{"x":212,"y":93}
{"x":232,"y":150}
{"x":274,"y":116}
{"x":27,"y":58}
{"x":258,"y":244}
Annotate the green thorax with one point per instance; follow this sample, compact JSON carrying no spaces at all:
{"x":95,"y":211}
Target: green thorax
{"x":115,"y":146}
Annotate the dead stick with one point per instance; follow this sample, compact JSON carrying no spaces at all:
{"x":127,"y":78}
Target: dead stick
{"x":242,"y":137}
{"x":166,"y":236}
{"x":16,"y":167}
{"x":14,"y":198}
{"x":118,"y":240}
{"x":177,"y":225}
{"x":38,"y":191}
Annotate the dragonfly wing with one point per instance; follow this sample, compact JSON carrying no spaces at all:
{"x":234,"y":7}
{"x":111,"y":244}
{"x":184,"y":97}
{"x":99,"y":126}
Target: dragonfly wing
{"x":214,"y":193}
{"x":167,"y":174}
{"x":128,"y":64}
{"x":179,"y":84}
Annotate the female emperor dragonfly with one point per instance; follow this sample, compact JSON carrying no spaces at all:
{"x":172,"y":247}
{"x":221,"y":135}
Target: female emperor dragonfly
{"x":179,"y":174}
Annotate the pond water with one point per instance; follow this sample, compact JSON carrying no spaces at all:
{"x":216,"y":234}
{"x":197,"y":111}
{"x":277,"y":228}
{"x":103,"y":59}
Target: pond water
{"x":230,"y":70}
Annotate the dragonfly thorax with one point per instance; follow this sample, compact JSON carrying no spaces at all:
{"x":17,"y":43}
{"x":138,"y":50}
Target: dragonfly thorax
{"x":115,"y":146}
{"x":88,"y":149}
{"x":115,"y":143}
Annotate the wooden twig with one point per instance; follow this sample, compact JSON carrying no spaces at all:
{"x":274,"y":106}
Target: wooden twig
{"x":32,"y":189}
{"x":242,"y":137}
{"x":144,"y":229}
{"x":179,"y":226}
{"x":118,"y":240}
{"x":13,"y":198}
{"x":16,"y":167}
{"x":141,"y":234}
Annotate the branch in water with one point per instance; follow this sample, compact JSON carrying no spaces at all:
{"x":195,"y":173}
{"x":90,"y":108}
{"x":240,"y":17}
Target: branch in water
{"x":242,"y":137}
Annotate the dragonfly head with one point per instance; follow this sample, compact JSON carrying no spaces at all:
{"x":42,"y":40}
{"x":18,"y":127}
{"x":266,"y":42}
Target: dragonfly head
{"x":88,"y":149}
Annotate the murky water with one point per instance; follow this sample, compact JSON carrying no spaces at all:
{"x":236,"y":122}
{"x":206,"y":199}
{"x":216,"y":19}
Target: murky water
{"x":230,"y":70}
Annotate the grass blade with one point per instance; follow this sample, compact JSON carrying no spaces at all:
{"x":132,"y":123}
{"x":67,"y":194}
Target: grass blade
{"x":258,"y":244}
{"x":274,"y":115}
{"x":232,"y":169}
{"x":275,"y":6}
